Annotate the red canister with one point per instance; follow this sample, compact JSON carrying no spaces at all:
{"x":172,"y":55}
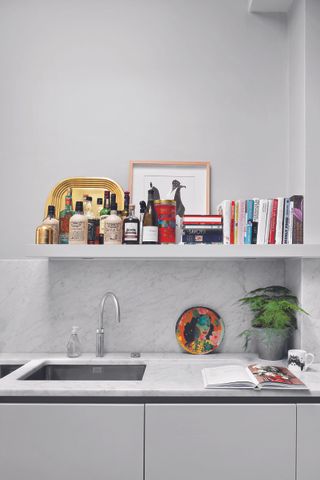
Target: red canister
{"x":166,"y":213}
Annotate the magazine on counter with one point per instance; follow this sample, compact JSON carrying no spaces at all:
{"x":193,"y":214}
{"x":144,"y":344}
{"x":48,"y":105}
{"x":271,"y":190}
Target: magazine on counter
{"x":253,"y":376}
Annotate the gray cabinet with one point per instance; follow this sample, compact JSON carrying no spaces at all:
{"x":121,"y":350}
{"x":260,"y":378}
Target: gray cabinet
{"x":308,"y":436}
{"x":227,"y":442}
{"x":71,"y":442}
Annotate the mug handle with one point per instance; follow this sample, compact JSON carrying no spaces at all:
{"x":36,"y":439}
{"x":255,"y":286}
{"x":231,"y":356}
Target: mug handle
{"x":311,"y":356}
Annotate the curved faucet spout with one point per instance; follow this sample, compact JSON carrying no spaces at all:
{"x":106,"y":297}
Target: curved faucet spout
{"x":100,"y":329}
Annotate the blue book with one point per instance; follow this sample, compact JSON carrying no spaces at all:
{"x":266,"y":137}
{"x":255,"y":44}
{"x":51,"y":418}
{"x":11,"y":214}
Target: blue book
{"x":249,"y":220}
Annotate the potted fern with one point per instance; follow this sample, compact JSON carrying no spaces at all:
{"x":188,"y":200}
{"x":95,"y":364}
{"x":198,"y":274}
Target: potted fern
{"x":274,"y":311}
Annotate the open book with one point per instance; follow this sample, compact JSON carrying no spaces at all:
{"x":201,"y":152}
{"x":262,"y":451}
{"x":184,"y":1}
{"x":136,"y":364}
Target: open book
{"x":253,"y":376}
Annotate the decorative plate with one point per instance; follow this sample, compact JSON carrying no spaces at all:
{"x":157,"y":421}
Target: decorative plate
{"x":93,"y":186}
{"x":199,"y":330}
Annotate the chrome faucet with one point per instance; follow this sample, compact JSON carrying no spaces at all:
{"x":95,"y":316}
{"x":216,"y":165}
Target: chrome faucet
{"x":100,"y":329}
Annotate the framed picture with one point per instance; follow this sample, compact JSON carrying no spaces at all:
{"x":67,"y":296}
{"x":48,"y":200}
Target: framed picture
{"x":190,"y":180}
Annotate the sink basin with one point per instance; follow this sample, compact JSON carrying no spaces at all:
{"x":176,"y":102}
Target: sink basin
{"x":6,"y":369}
{"x":88,"y":372}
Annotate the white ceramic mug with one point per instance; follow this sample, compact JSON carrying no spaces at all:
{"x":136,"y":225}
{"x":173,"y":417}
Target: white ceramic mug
{"x":299,"y":360}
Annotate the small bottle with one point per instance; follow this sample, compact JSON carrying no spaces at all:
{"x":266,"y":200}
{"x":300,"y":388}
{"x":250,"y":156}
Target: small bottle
{"x":64,"y":219}
{"x":78,"y":231}
{"x":74,"y":345}
{"x":53,"y":222}
{"x":131,"y":227}
{"x":97,"y":219}
{"x":125,"y":211}
{"x":150,"y":221}
{"x":113,"y":225}
{"x":44,"y":235}
{"x":105,"y":211}
{"x":91,"y":222}
{"x":143,"y":208}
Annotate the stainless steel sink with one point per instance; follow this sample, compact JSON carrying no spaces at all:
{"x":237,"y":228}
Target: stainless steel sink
{"x":88,"y":372}
{"x":6,"y":369}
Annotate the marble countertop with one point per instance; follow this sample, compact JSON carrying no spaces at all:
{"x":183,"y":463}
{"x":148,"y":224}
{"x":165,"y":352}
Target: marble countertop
{"x":166,"y":375}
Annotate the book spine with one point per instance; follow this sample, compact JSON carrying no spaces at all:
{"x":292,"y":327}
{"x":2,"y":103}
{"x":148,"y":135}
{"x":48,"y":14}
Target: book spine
{"x":290,"y":226}
{"x":255,"y":220}
{"x":224,"y":210}
{"x":286,"y":219}
{"x":279,"y":227}
{"x":241,"y":221}
{"x":249,"y":218}
{"x":273,"y":222}
{"x":232,"y":213}
{"x":236,"y":222}
{"x":263,"y":210}
{"x":297,"y":221}
{"x":267,"y":230}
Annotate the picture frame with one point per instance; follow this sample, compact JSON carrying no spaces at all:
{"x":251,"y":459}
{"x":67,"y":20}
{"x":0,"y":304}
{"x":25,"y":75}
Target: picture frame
{"x":195,"y":177}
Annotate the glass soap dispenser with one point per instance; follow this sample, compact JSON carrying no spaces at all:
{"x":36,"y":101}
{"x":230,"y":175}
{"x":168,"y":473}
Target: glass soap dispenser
{"x":74,"y":345}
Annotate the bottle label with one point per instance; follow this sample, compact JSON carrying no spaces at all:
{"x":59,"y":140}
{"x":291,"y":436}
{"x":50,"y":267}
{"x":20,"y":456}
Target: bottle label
{"x":130,"y":232}
{"x":77,"y":232}
{"x":150,"y":234}
{"x":113,"y":232}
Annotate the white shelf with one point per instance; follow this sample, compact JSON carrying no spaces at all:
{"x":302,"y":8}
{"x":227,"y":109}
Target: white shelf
{"x":162,"y":252}
{"x":269,"y":6}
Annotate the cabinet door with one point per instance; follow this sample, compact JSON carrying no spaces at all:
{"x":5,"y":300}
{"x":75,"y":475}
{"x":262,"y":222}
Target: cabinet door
{"x":225,"y":442}
{"x":308,"y":435}
{"x":71,"y":442}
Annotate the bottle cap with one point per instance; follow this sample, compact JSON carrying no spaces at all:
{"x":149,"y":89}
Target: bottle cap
{"x":143,"y":206}
{"x":99,"y":201}
{"x":89,"y":199}
{"x":51,"y":211}
{"x":79,"y":207}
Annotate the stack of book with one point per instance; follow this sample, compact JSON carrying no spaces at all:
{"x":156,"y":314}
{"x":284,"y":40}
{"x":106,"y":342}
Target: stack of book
{"x":202,"y":229}
{"x":262,"y":221}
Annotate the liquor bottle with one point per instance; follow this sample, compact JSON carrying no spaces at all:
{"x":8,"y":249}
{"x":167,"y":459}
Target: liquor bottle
{"x":99,"y":206}
{"x":52,"y":222}
{"x":64,"y":218}
{"x":143,"y":208}
{"x":150,"y":222}
{"x":91,"y":222}
{"x":105,"y":211}
{"x":97,"y":220}
{"x":113,"y":225}
{"x":125,"y":212}
{"x":131,"y":227}
{"x":78,"y":230}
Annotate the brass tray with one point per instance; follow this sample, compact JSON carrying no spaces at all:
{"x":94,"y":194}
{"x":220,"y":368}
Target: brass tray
{"x":92,"y":186}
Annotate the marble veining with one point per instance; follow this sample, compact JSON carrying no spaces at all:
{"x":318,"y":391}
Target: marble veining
{"x":40,"y":300}
{"x":165,"y":375}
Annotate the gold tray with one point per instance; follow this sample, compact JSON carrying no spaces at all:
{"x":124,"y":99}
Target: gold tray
{"x":92,"y":186}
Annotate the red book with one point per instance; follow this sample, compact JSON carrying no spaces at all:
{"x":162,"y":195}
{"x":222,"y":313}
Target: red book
{"x":232,"y":215}
{"x":273,"y":222}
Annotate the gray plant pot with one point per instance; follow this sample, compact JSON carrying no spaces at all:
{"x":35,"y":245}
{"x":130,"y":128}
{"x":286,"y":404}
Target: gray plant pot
{"x":271,"y":344}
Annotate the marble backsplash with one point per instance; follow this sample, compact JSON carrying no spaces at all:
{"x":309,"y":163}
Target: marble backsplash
{"x":41,"y":300}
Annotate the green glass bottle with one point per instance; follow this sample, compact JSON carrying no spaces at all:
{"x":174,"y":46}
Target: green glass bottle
{"x":105,"y":211}
{"x":64,"y":219}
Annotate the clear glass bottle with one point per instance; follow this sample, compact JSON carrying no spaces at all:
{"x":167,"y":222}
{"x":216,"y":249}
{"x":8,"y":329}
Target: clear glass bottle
{"x":150,"y":221}
{"x":113,"y":225}
{"x":64,"y":219}
{"x":52,"y":222}
{"x":74,"y":345}
{"x":131,"y":227}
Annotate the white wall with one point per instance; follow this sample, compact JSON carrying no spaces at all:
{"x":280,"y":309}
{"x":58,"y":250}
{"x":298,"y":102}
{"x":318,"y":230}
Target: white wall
{"x":87,"y":85}
{"x":297,"y":100}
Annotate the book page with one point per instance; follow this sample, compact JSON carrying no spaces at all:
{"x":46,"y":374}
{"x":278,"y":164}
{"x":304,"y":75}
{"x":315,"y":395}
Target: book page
{"x":227,"y":374}
{"x":274,"y":376}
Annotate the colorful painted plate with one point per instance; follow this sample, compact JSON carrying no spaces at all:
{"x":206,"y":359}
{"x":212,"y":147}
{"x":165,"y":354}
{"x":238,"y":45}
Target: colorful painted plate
{"x":199,"y":330}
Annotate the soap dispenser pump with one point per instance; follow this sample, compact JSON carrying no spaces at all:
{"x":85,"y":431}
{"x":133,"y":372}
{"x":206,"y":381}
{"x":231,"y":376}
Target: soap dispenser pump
{"x":74,"y":345}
